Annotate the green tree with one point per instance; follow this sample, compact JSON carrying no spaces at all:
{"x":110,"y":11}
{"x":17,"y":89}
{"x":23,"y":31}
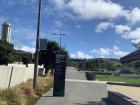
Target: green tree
{"x":96,"y":64}
{"x":25,"y":61}
{"x":47,"y":57}
{"x":6,"y":52}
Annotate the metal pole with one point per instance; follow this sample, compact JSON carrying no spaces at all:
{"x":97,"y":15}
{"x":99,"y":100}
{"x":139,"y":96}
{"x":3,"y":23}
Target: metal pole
{"x":37,"y":47}
{"x":10,"y":77}
{"x":60,"y":39}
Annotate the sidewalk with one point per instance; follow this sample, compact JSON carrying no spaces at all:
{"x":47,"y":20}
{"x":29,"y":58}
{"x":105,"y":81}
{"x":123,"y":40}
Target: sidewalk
{"x":132,"y":92}
{"x":78,"y":91}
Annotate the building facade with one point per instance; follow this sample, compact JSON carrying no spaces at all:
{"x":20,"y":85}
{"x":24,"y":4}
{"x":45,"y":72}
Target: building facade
{"x":6,"y":32}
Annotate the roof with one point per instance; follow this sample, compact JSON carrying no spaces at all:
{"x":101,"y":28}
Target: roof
{"x":131,"y":57}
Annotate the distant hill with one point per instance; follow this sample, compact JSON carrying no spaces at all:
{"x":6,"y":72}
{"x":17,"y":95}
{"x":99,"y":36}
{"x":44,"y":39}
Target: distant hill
{"x":94,"y":64}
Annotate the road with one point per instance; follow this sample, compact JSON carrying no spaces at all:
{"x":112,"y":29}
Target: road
{"x":78,"y":91}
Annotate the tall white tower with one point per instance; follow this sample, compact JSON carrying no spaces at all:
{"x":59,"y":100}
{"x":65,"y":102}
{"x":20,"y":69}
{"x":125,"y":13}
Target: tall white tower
{"x":6,"y":32}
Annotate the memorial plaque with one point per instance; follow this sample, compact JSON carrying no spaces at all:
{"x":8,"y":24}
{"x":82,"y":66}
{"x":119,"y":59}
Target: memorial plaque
{"x":59,"y":75}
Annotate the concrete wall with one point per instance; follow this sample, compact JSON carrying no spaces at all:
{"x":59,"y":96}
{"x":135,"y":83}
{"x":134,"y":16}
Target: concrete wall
{"x":20,"y":74}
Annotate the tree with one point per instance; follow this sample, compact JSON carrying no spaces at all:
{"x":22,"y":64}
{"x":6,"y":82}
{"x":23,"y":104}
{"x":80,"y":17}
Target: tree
{"x":96,"y":64}
{"x":6,"y":52}
{"x":47,"y":57}
{"x":25,"y":61}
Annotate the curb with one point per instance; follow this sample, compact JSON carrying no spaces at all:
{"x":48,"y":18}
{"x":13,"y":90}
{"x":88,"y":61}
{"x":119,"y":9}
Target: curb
{"x":124,"y":84}
{"x":120,"y":99}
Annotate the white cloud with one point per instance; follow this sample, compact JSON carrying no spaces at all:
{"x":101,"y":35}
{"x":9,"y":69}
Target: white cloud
{"x":28,"y":49}
{"x":134,"y":15}
{"x":96,"y":9}
{"x":114,"y":52}
{"x":58,"y":23}
{"x":25,"y":48}
{"x":103,"y":26}
{"x":80,"y":55}
{"x":135,"y":34}
{"x":136,"y":43}
{"x":92,"y":9}
{"x":59,"y":3}
{"x":109,"y":52}
{"x":101,"y":51}
{"x":104,"y":9}
{"x":19,"y":46}
{"x":122,"y":29}
{"x":116,"y":48}
{"x":120,"y":53}
{"x":125,"y":31}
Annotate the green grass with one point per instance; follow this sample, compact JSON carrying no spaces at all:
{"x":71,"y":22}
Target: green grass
{"x":118,"y":79}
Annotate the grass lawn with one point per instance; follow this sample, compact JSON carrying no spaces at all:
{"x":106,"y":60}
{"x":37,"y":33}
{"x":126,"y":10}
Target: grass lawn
{"x":118,"y":79}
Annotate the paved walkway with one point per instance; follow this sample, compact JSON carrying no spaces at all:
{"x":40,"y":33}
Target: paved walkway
{"x":132,"y":92}
{"x":79,"y":91}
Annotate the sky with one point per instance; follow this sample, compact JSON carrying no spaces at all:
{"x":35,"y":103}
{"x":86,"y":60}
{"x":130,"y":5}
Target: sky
{"x":93,"y":28}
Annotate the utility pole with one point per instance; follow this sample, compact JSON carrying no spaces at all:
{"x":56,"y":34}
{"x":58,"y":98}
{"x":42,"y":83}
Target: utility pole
{"x":37,"y":47}
{"x":60,"y":36}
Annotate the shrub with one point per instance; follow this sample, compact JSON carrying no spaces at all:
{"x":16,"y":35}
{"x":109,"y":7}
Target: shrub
{"x":23,"y":94}
{"x":43,"y":86}
{"x":6,"y":52}
{"x":2,"y":102}
{"x":12,"y":97}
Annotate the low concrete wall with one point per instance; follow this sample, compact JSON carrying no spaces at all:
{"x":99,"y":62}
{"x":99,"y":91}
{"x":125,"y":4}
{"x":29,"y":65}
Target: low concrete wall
{"x":14,"y":74}
{"x":90,"y":76}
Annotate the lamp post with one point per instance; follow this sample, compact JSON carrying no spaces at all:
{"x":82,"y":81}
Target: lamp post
{"x":60,"y":36}
{"x":37,"y":47}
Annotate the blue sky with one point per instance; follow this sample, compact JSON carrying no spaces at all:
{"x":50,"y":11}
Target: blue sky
{"x":94,"y":28}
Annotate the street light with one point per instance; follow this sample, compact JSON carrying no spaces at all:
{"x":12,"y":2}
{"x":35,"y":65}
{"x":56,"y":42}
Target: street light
{"x":60,"y":35}
{"x":37,"y":47}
